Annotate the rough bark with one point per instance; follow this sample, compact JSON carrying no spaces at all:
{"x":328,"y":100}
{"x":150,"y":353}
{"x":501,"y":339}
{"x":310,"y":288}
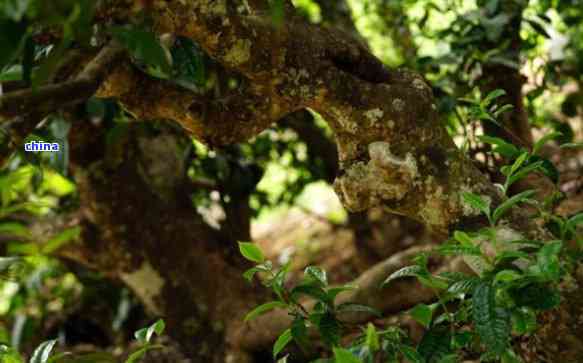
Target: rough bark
{"x":140,"y":227}
{"x":393,"y":153}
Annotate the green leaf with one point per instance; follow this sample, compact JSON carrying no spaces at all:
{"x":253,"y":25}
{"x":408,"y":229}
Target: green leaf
{"x":522,"y":173}
{"x":317,"y":274}
{"x":407,"y":271}
{"x":502,"y":147}
{"x":523,"y":321}
{"x":517,"y":163}
{"x":189,"y":62}
{"x":66,"y":236}
{"x":422,"y":313}
{"x":251,"y":252}
{"x":492,"y":96}
{"x":12,"y":268}
{"x":334,"y":291}
{"x":282,"y":341}
{"x":463,"y":286}
{"x":503,"y":109}
{"x":12,"y":35}
{"x":312,"y":290}
{"x":477,"y":202}
{"x":572,"y":145}
{"x":329,"y":328}
{"x":491,"y":323}
{"x":435,"y":344}
{"x":145,"y":335}
{"x":14,"y":9}
{"x":507,"y":276}
{"x":548,"y":262}
{"x":506,"y":205}
{"x":537,"y":296}
{"x":262,"y":309}
{"x":143,"y":45}
{"x":543,"y":140}
{"x":463,"y":238}
{"x":264,"y":267}
{"x":456,"y":249}
{"x":277,"y":10}
{"x":411,"y":354}
{"x":139,"y":354}
{"x":97,"y":357}
{"x":450,"y":358}
{"x":574,"y":221}
{"x":372,"y":338}
{"x":14,"y":230}
{"x":42,"y":353}
{"x":342,"y":355}
{"x":510,"y":357}
{"x":299,"y":332}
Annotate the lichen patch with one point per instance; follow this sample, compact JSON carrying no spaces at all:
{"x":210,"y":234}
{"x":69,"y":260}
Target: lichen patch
{"x":239,"y":53}
{"x":147,"y":283}
{"x":374,"y":115}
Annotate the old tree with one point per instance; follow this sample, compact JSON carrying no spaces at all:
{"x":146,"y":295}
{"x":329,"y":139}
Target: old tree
{"x":125,"y":86}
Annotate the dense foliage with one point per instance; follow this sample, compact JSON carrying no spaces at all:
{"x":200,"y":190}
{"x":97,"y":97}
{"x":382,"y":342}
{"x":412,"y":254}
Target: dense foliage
{"x":507,"y":77}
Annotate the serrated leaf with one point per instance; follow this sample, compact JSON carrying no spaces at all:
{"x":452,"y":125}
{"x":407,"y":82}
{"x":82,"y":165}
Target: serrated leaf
{"x":455,"y":249}
{"x":317,"y":274}
{"x":145,"y":335}
{"x":477,"y":202}
{"x":435,"y":344}
{"x":509,"y":203}
{"x":463,"y":286}
{"x":523,"y":321}
{"x":548,"y":260}
{"x":251,"y":252}
{"x":263,"y":308}
{"x":422,"y":313}
{"x":42,"y":353}
{"x":330,"y":329}
{"x":407,"y":271}
{"x":342,"y":355}
{"x":411,"y":354}
{"x":282,"y":341}
{"x":491,"y":322}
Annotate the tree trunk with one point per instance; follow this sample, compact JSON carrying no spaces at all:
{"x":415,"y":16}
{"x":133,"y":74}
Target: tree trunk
{"x":139,"y":226}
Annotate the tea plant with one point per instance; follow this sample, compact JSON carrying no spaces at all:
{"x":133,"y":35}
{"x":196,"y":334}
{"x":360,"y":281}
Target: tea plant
{"x":475,"y":315}
{"x":44,"y":352}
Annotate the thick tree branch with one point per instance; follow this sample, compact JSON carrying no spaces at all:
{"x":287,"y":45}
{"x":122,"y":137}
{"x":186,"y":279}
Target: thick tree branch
{"x":49,"y":98}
